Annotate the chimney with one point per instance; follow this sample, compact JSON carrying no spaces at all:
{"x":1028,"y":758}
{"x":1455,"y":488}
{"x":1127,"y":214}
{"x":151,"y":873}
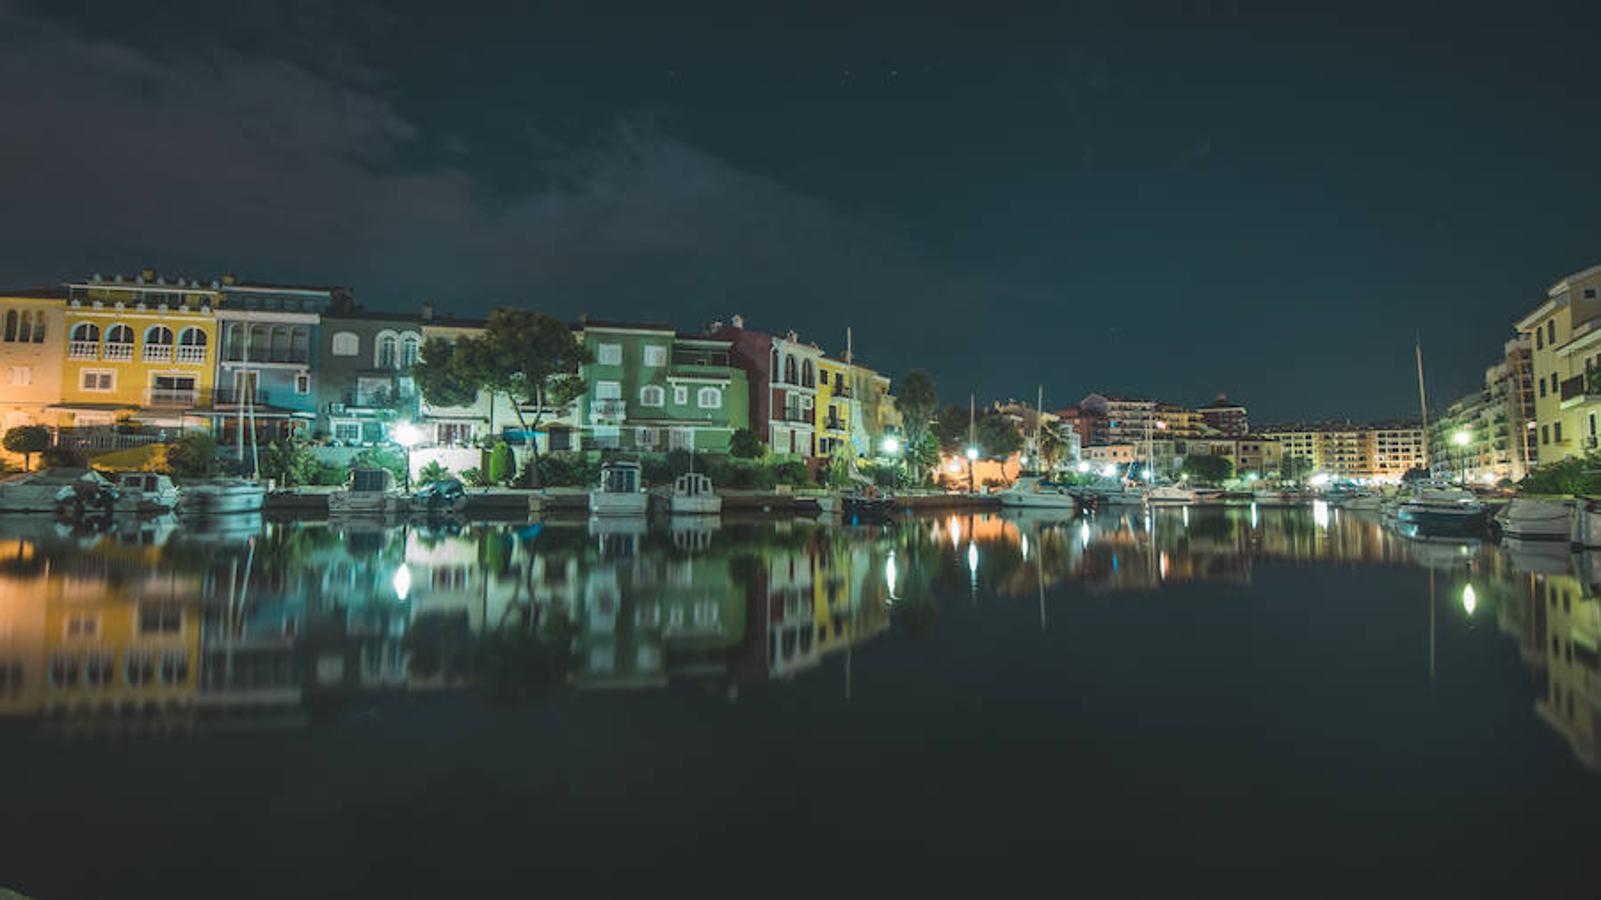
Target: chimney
{"x":739,"y":321}
{"x":428,"y":311}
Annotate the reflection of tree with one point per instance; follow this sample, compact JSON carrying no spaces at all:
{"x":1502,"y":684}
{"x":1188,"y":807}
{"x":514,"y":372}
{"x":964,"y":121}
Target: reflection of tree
{"x":516,"y":665}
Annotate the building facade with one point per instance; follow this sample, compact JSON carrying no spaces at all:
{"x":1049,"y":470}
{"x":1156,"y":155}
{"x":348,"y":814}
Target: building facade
{"x":32,"y":348}
{"x":1485,"y":436}
{"x":649,"y":389}
{"x":1369,"y":452}
{"x":266,"y":378}
{"x":835,"y":396}
{"x":782,"y":375}
{"x":363,"y":381}
{"x":1565,"y":332}
{"x":1224,"y":416}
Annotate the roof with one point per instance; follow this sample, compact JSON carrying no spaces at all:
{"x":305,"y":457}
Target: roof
{"x":298,"y":288}
{"x":614,"y":324}
{"x":1222,"y":402}
{"x":38,"y":293}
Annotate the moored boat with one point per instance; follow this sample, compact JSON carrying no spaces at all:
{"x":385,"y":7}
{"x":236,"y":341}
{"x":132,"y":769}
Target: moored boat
{"x":866,"y":505}
{"x":221,"y":497}
{"x":621,"y":491}
{"x":1440,"y":510}
{"x":1034,"y":492}
{"x":693,"y":495}
{"x":439,"y":497}
{"x":1530,"y":519}
{"x":1586,"y":526}
{"x":67,"y":491}
{"x":370,"y":492}
{"x":1167,"y":495}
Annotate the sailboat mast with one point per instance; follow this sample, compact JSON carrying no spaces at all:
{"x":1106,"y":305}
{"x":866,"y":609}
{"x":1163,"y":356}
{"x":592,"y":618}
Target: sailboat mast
{"x":242,"y":377}
{"x":1039,"y":422}
{"x":1423,"y":406}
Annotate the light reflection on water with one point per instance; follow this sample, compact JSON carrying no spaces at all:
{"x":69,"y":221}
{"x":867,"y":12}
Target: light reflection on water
{"x":246,"y":624}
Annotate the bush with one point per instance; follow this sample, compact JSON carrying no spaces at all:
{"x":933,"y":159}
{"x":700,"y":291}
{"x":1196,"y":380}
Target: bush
{"x":474,"y":478}
{"x":193,"y":456}
{"x":742,"y":475}
{"x":383,"y":458}
{"x":500,"y":463}
{"x":432,"y":472}
{"x":744,"y":445}
{"x":27,"y":440}
{"x":289,"y":463}
{"x":656,"y":470}
{"x":568,"y":470}
{"x":330,"y":474}
{"x":62,"y":458}
{"x":793,"y":473}
{"x":1568,"y":476}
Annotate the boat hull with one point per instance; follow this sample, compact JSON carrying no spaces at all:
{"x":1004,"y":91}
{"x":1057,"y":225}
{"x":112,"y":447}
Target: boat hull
{"x":365,"y":504}
{"x":606,"y":503}
{"x":1536,"y":520}
{"x":1586,"y":526}
{"x":680,"y":505}
{"x":1019,"y":500}
{"x":206,"y":501}
{"x":1432,"y":522}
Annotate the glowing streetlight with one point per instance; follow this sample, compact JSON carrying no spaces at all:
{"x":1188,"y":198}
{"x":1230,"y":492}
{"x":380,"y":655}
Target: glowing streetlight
{"x":1146,"y":473}
{"x":972,"y":454}
{"x":1470,"y":599}
{"x":1462,"y":437}
{"x":406,"y":435}
{"x":1109,"y":470}
{"x":891,"y":446}
{"x":1083,"y":467}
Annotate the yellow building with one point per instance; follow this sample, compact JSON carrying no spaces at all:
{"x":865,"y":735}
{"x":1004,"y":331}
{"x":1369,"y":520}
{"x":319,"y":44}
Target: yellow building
{"x":1572,"y":702}
{"x":833,"y":409}
{"x":1567,"y":344}
{"x":138,"y":348}
{"x":31,"y":350}
{"x":25,"y":585}
{"x":1383,"y":451}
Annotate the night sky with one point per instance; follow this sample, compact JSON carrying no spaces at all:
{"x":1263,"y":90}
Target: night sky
{"x":1208,"y":197}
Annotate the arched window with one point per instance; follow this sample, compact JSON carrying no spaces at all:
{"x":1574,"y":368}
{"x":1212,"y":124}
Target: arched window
{"x":86,"y":332}
{"x":192,"y":337}
{"x":345,"y":343}
{"x":158,"y":334}
{"x":235,"y":341}
{"x":280,"y":343}
{"x":386,"y":351}
{"x":408,"y":350}
{"x":773,"y":367}
{"x":807,"y":379}
{"x":299,"y":344}
{"x":260,"y":343}
{"x":709,"y":398}
{"x":38,"y":326}
{"x":789,"y":371}
{"x":120,"y":334}
{"x":652,"y":395}
{"x":11,"y":325}
{"x":25,"y":328}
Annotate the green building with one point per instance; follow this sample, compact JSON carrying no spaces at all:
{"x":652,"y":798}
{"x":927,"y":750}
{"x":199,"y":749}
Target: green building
{"x":649,"y":389}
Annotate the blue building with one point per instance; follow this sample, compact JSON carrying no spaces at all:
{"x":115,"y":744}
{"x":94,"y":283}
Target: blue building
{"x":267,"y":371}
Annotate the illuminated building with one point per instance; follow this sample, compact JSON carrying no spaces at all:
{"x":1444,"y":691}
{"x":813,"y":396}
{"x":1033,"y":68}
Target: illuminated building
{"x":32,"y":348}
{"x":1566,"y":329}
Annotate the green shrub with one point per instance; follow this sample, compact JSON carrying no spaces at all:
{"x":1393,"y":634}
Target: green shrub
{"x":63,"y":458}
{"x":330,"y":474}
{"x":474,"y":478}
{"x":193,"y":456}
{"x":289,"y":463}
{"x":500,"y":463}
{"x":568,"y":470}
{"x":432,"y":472}
{"x":744,"y":445}
{"x":792,"y":473}
{"x":383,"y":458}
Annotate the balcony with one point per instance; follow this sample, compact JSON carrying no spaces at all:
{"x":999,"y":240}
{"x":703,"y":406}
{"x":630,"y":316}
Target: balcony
{"x":118,"y":352}
{"x":235,"y":397}
{"x":833,"y":424}
{"x":291,"y":355}
{"x":157,"y":353}
{"x":796,"y":414}
{"x":83,"y":350}
{"x":189,"y":355}
{"x":609,"y":410}
{"x":171,"y":397}
{"x":1578,"y":389}
{"x":375,"y":399}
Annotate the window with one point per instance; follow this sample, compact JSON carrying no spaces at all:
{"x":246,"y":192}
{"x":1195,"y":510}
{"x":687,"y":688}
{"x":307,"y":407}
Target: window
{"x":1556,"y":383}
{"x":119,"y":334}
{"x":99,"y":669}
{"x":139,"y":667}
{"x":1551,"y":332}
{"x":160,"y":618}
{"x":158,"y":334}
{"x":807,"y":378}
{"x":448,"y":433}
{"x":85,"y":331}
{"x":96,"y":380}
{"x":408,"y":350}
{"x":302,"y":384}
{"x":386,"y":351}
{"x":63,"y":670}
{"x":174,"y":666}
{"x":1589,"y":293}
{"x":772,"y":366}
{"x":346,"y":343}
{"x":1539,"y":339}
{"x":790,"y":376}
{"x":82,"y":625}
{"x":299,"y":344}
{"x":347,"y":432}
{"x":1542,"y":387}
{"x":608,"y":390}
{"x":1545,"y":434}
{"x":652,"y":395}
{"x":279,"y":348}
{"x":680,"y":394}
{"x":655,"y":355}
{"x":20,"y":376}
{"x":709,"y":398}
{"x":12,"y":318}
{"x":1556,"y":432}
{"x":645,"y":437}
{"x":609,"y":354}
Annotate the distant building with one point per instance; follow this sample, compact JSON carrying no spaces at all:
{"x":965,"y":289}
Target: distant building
{"x":649,"y":389}
{"x":1381,"y":451}
{"x":1225,"y":416}
{"x":782,"y":374}
{"x":265,"y":378}
{"x":1484,"y":436}
{"x":364,"y":384}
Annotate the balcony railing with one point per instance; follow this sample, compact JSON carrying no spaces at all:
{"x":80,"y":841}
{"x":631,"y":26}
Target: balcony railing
{"x":190,"y":355}
{"x":234,"y":397}
{"x":112,"y":438}
{"x":833,"y":424}
{"x":118,"y":352}
{"x":158,"y":353}
{"x":795,"y":414}
{"x":298,"y":356}
{"x":83,"y":350}
{"x":184,"y":397}
{"x":608,"y":409}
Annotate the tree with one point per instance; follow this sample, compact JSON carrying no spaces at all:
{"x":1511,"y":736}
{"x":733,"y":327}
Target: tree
{"x":1054,"y":441}
{"x":27,"y":440}
{"x":432,"y":472}
{"x":950,"y":427}
{"x":289,"y":463}
{"x":744,"y":445}
{"x":998,"y":436}
{"x":1420,"y":474}
{"x":1207,"y":469}
{"x":529,"y":358}
{"x":1294,"y":468}
{"x":916,"y":399}
{"x":193,"y":456}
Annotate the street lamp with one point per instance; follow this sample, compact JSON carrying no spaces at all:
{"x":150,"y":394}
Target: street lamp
{"x":891,"y":446}
{"x":407,"y":435}
{"x":972,"y":457}
{"x":1462,"y":437}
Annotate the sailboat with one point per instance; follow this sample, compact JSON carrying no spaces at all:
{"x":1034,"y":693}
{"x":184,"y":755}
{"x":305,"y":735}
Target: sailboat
{"x":225,"y":496}
{"x":1435,"y":508}
{"x":1030,"y":491}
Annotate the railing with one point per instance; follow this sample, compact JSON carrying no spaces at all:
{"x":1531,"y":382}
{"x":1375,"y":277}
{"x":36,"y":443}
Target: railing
{"x":158,"y":353}
{"x":235,"y":397}
{"x":608,"y":409}
{"x":1573,"y":387}
{"x":796,"y":415}
{"x":171,"y":397}
{"x":118,"y":352}
{"x":258,"y":355}
{"x":191,"y":355}
{"x":106,"y":438}
{"x":83,"y":349}
{"x":833,"y":424}
{"x":369,"y":399}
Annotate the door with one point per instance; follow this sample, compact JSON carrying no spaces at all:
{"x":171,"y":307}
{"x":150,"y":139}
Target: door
{"x":244,"y":387}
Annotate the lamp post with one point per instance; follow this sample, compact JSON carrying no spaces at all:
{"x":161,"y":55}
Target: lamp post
{"x":1461,"y":438}
{"x":972,"y":457}
{"x":407,"y":435}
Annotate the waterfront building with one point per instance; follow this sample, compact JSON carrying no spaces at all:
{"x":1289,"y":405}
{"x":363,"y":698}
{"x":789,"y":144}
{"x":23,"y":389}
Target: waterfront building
{"x":782,"y":376}
{"x":873,"y":413}
{"x":1247,"y":454}
{"x":1484,"y":436}
{"x":32,"y":348}
{"x":835,"y":395}
{"x":1119,"y":454}
{"x":1566,"y":333}
{"x":1380,"y":451}
{"x":364,"y":361}
{"x":649,"y":389}
{"x":140,"y":350}
{"x":1116,"y":418}
{"x":1224,"y":416}
{"x":265,"y":378}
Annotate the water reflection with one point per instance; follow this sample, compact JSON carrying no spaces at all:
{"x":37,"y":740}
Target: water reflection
{"x":248,"y":625}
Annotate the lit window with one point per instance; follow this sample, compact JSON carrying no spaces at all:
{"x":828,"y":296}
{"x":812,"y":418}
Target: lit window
{"x":609,"y":354}
{"x":346,"y":343}
{"x":302,"y":383}
{"x":655,"y":355}
{"x":652,"y":395}
{"x":347,"y":432}
{"x":680,"y":394}
{"x":408,"y":351}
{"x":709,"y":398}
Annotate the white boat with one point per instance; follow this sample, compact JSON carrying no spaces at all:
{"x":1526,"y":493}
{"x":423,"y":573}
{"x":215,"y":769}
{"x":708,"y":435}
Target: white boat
{"x":1360,"y":502}
{"x":693,"y":495}
{"x":621,"y":491}
{"x":1437,"y":509}
{"x":1280,"y":498}
{"x":145,"y":494}
{"x":1030,"y":492}
{"x":1530,"y":519}
{"x":1168,"y":495}
{"x":370,"y":492}
{"x":221,"y":497}
{"x":1108,"y":493}
{"x":1586,"y":528}
{"x":70,"y":491}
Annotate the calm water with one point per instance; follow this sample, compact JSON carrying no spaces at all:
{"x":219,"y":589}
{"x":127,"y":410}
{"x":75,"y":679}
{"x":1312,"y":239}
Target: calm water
{"x":1293,"y":702}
